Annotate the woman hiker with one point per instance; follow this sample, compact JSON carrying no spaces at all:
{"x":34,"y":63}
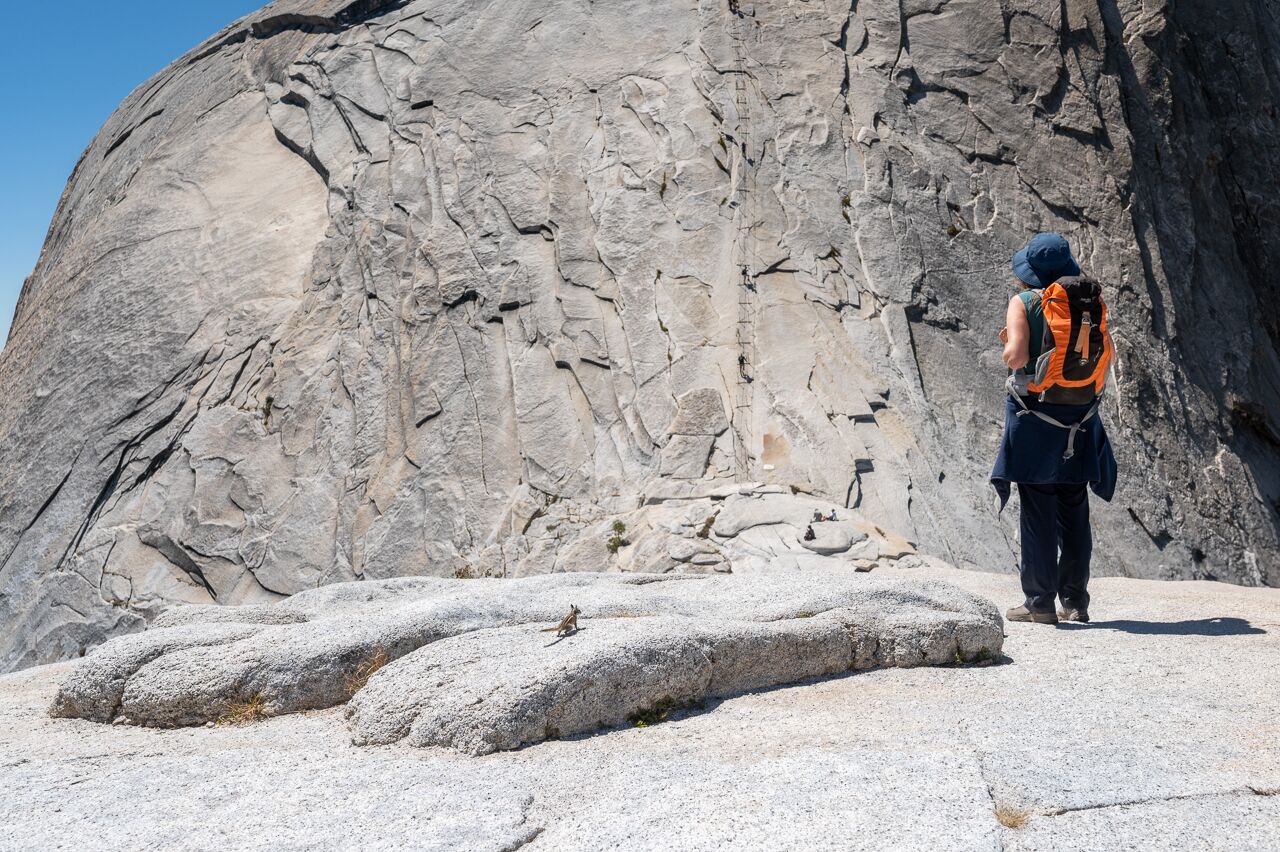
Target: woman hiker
{"x":1054,"y":444}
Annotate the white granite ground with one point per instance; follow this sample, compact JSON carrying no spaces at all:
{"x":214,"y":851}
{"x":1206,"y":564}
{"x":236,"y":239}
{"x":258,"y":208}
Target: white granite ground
{"x":1156,"y":727}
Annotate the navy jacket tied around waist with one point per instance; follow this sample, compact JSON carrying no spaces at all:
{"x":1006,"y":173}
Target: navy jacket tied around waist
{"x":1031,"y":451}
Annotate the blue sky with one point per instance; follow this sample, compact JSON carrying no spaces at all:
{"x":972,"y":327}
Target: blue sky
{"x":73,"y":63}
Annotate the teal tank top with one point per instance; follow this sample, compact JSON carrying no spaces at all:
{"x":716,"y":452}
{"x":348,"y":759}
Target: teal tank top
{"x":1035,"y":319}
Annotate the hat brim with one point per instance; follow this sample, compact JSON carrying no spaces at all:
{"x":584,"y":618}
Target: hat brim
{"x":1022,"y":269}
{"x":1027,"y":274}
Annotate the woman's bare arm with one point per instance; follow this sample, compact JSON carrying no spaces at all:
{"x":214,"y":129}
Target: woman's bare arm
{"x":1018,"y":335}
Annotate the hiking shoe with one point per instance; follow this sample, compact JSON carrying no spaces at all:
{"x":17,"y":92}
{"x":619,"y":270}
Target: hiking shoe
{"x":1021,"y":613}
{"x":1069,"y":612}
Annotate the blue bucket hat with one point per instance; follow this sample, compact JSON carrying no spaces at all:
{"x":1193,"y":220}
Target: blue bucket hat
{"x":1044,"y":260}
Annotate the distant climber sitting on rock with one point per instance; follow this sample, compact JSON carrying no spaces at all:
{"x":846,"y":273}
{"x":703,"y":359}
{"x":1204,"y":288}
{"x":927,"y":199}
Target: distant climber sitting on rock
{"x":1057,"y":349}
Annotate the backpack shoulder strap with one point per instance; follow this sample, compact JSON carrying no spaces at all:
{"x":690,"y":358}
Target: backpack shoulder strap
{"x":1031,"y":303}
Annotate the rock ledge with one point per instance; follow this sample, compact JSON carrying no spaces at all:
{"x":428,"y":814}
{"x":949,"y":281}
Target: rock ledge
{"x":469,"y":665}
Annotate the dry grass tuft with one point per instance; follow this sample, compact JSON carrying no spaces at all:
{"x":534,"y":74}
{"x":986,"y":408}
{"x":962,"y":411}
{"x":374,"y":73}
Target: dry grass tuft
{"x":244,"y":712}
{"x":1010,"y":816}
{"x":358,"y":678}
{"x":658,"y":713}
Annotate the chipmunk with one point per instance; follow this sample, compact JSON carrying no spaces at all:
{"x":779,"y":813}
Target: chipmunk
{"x":569,"y":624}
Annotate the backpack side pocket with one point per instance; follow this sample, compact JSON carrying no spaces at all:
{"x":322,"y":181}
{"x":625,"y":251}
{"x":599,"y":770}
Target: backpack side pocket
{"x":1042,"y":365}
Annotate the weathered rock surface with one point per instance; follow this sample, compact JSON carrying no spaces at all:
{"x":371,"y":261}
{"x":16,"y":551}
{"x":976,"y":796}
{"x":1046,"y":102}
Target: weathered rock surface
{"x":467,"y":664}
{"x":501,"y":689}
{"x":1154,"y":726}
{"x":358,"y":290}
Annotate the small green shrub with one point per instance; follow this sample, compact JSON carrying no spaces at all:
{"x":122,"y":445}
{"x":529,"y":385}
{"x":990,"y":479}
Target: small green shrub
{"x":653,"y":715}
{"x":982,"y":658}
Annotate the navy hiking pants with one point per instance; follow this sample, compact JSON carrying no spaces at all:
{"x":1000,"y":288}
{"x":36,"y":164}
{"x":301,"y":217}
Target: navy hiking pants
{"x":1056,"y":545}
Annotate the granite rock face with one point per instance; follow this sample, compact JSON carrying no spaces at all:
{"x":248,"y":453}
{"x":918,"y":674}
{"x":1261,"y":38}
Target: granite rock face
{"x":362,"y":290}
{"x":468,"y":664}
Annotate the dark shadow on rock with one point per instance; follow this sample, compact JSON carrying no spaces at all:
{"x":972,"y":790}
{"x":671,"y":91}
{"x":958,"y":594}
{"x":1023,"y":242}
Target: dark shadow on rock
{"x":1002,"y":660}
{"x":1193,"y":627}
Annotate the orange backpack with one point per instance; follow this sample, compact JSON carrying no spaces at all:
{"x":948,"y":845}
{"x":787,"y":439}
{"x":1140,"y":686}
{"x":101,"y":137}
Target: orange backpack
{"x":1074,"y":354}
{"x":1076,"y":350}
